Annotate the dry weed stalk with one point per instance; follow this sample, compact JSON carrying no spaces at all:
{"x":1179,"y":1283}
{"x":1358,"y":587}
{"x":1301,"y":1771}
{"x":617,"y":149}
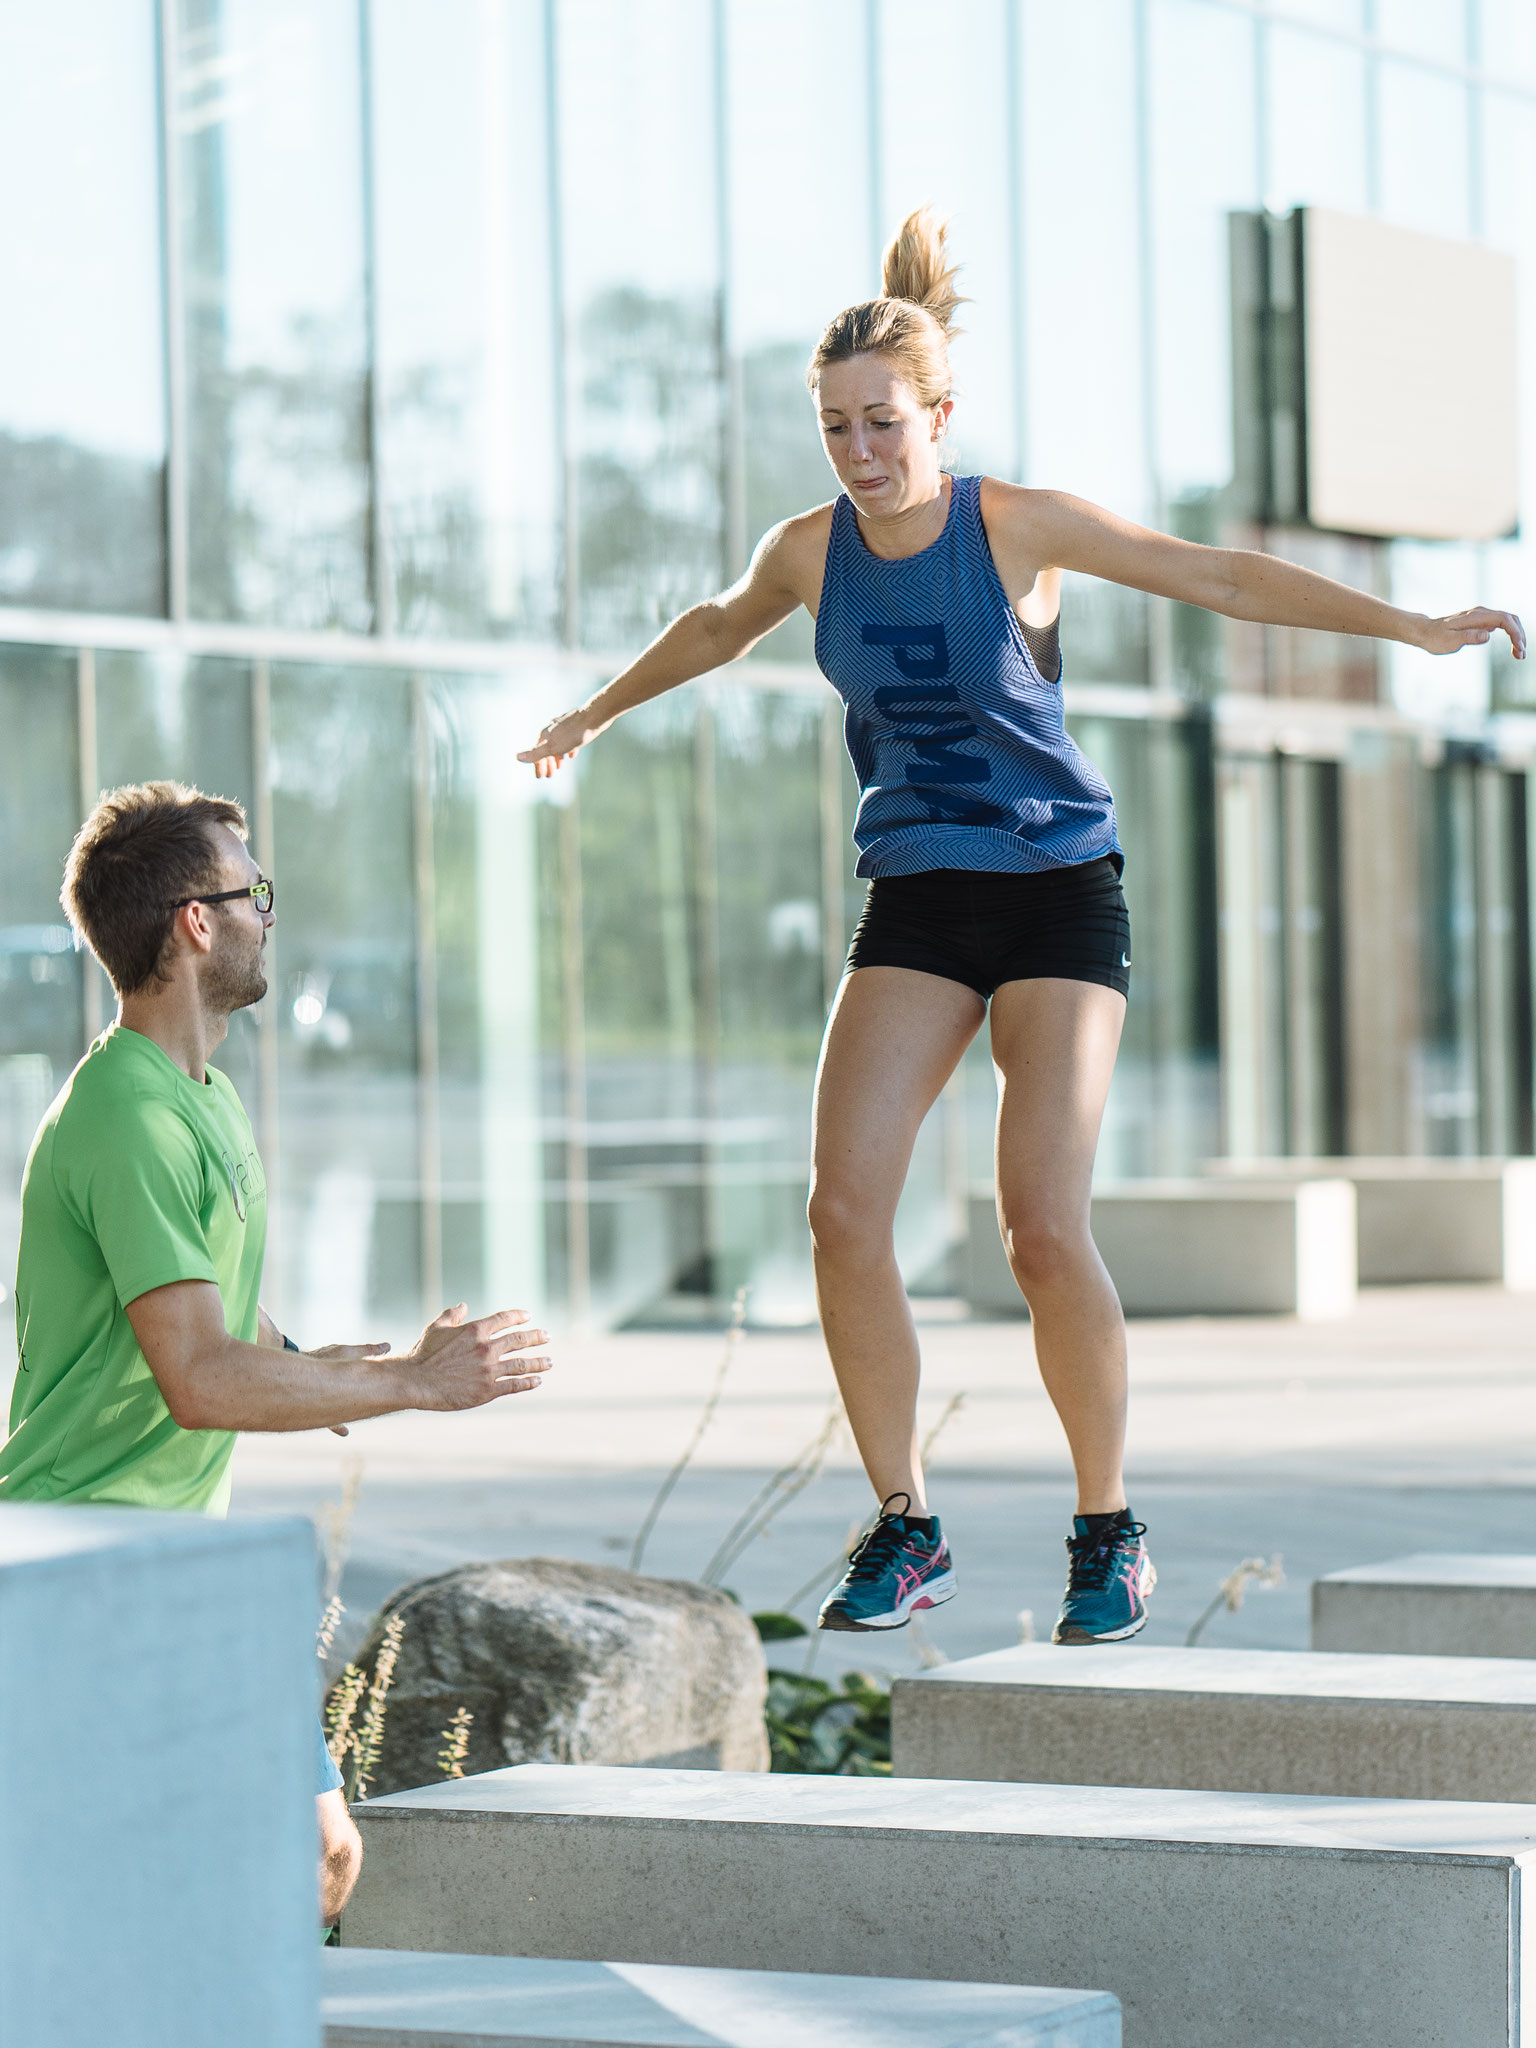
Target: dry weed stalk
{"x":335,"y":1520}
{"x":325,"y":1635}
{"x":733,"y":1338}
{"x":370,"y":1738}
{"x":340,"y":1712}
{"x":450,"y":1758}
{"x":1265,"y":1573}
{"x":777,"y":1493}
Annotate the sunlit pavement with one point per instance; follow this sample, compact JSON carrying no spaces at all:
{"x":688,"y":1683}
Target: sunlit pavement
{"x":1411,"y":1426}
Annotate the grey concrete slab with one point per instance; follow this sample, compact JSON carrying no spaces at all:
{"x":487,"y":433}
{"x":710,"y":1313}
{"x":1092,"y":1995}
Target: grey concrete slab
{"x":1292,"y":1721}
{"x":1433,"y":1605}
{"x":390,"y":1998}
{"x":1277,"y":1245}
{"x":1218,"y":1920}
{"x":157,"y":1819}
{"x":1429,"y":1219}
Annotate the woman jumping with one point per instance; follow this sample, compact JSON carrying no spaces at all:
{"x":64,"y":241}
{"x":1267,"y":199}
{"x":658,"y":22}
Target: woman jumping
{"x":989,"y":843}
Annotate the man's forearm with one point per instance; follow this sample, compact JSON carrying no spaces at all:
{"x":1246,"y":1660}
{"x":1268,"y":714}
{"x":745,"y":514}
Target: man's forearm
{"x":257,"y":1387}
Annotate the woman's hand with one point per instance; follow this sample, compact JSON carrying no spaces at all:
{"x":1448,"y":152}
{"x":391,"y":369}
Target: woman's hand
{"x":1472,"y":629}
{"x":560,"y":739}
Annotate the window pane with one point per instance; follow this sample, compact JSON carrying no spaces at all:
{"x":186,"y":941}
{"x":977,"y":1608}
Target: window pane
{"x":802,"y":242}
{"x":1085,"y":424}
{"x":493,"y":1066}
{"x":1430,"y":28}
{"x":769,"y":865}
{"x":1509,"y":222}
{"x":82,"y":418}
{"x":961,"y":164}
{"x":641,"y":255}
{"x":1507,"y":34}
{"x":173,"y":716}
{"x":1345,"y":14}
{"x":468,"y":456}
{"x":40,"y":972}
{"x":1317,"y":125}
{"x":272,"y":251}
{"x":632,"y":872}
{"x":1424,"y":155}
{"x":346,"y":1260}
{"x":1203,"y":167}
{"x":1163,"y":1114}
{"x":1082,"y":314}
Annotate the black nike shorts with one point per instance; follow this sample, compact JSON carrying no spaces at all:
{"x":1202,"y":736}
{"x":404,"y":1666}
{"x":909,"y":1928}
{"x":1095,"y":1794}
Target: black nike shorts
{"x":1067,"y":923}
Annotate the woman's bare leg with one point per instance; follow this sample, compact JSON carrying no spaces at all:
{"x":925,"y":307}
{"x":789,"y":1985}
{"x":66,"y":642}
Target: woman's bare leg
{"x":1055,"y":1043}
{"x":894,"y":1038}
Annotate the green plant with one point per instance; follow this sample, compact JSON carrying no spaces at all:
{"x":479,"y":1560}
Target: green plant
{"x":814,"y":1726}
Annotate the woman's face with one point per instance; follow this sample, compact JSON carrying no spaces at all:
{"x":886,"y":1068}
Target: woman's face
{"x":883,"y":445}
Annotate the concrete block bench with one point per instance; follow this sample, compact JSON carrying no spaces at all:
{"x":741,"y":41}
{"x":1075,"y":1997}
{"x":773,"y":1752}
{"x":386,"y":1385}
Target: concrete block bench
{"x":1430,"y":1606}
{"x":157,"y":1815}
{"x":1219,"y":1920}
{"x":1199,"y":1247}
{"x":1225,"y":1721}
{"x":1428,"y":1219}
{"x":389,"y":1998}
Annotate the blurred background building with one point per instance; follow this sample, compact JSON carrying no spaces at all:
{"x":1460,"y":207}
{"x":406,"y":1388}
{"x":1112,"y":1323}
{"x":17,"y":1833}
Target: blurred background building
{"x":375,"y":374}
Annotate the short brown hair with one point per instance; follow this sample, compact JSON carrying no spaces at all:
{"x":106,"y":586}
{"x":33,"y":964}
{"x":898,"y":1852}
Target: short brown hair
{"x":141,"y":850}
{"x":912,"y":321}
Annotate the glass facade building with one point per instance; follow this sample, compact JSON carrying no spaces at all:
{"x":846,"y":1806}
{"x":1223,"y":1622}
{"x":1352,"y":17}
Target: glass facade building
{"x":378,"y":374}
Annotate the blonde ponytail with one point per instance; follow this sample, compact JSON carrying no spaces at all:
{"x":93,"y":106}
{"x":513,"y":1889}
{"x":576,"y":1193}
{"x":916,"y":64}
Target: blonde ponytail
{"x":912,"y":321}
{"x":915,"y":268}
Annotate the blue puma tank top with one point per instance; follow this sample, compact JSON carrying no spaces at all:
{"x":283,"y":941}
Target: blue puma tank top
{"x":959,"y":743}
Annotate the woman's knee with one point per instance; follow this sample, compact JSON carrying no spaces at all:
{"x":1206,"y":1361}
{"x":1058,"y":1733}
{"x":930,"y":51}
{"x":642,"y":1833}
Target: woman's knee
{"x":1044,"y":1245}
{"x":847,"y":1223}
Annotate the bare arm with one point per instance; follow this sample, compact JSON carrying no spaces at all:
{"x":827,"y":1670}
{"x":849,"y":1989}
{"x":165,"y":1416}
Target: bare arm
{"x":211,"y":1380}
{"x":785,"y":573}
{"x":1239,"y":583}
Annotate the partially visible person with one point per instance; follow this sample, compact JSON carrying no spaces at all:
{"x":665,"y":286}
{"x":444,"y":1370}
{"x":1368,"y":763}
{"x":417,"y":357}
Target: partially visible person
{"x":143,"y":1346}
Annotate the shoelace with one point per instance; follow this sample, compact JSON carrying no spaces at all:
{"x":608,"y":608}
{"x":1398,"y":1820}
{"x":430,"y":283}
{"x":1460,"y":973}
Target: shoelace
{"x":1093,"y":1558}
{"x":875,"y":1551}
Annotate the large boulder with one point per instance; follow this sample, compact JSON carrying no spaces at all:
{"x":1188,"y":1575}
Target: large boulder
{"x":568,"y":1663}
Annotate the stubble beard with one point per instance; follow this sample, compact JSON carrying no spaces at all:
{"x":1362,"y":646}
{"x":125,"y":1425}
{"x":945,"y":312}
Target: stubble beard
{"x":235,"y":979}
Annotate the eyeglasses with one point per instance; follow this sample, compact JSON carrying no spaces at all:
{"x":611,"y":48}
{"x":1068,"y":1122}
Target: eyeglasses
{"x":261,"y":893}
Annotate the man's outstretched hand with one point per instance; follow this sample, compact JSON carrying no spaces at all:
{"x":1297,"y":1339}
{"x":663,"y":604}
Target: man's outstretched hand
{"x":459,"y":1364}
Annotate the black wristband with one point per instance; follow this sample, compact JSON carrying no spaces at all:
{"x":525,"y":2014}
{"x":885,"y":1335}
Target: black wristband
{"x":289,"y":1345}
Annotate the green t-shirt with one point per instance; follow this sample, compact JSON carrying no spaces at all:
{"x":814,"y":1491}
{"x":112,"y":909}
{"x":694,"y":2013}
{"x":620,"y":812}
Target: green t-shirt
{"x":137,"y":1177}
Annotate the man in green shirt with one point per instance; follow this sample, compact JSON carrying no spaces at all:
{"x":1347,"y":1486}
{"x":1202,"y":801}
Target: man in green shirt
{"x":143,"y":1346}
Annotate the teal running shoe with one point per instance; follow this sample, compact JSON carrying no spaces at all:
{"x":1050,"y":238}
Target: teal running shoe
{"x":903,"y":1564}
{"x":1109,"y":1576}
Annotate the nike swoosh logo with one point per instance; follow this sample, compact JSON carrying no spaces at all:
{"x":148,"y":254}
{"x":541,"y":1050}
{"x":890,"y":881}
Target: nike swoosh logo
{"x":1125,"y":959}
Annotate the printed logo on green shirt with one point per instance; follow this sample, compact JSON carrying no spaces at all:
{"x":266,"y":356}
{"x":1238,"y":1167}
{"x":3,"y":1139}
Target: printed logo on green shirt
{"x":246,"y":1179}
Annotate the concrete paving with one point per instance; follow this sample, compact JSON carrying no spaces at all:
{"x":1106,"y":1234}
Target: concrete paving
{"x":387,"y":1998}
{"x":1218,"y":1920}
{"x":1439,"y":1606}
{"x":1366,"y":1727}
{"x":1409,"y":1427}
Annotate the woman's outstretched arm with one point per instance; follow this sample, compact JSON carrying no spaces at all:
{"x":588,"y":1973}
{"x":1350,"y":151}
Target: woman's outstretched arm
{"x":1055,"y":530}
{"x":785,"y":572}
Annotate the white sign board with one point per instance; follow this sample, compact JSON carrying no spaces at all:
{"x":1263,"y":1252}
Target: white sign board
{"x":1410,"y":382}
